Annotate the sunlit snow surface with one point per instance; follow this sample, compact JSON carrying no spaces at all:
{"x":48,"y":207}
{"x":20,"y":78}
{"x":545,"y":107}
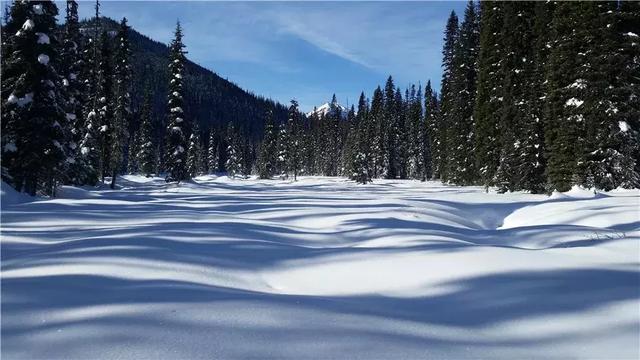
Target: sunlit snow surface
{"x":320,"y":268}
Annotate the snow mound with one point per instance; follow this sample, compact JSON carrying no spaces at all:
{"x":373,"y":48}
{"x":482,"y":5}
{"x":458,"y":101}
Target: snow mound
{"x":9,"y":195}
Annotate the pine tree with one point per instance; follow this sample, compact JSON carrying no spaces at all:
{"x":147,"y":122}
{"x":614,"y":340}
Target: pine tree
{"x":417,"y":136}
{"x":448,"y":95}
{"x":566,"y":83}
{"x":177,"y":129}
{"x":90,"y":147}
{"x":34,"y":125}
{"x":122,"y":98}
{"x":461,"y":166}
{"x":516,"y":71}
{"x":70,"y":68}
{"x":489,"y":94}
{"x":105,"y":105}
{"x":194,"y":153}
{"x":390,"y":127}
{"x":212,"y":152}
{"x":293,"y":145}
{"x":350,"y":145}
{"x":146,"y":155}
{"x":268,"y":149}
{"x":361,"y":167}
{"x":376,"y":133}
{"x":234,"y":151}
{"x":430,"y":118}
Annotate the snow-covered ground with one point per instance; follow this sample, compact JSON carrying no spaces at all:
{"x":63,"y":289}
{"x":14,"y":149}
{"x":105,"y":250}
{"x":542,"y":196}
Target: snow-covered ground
{"x":320,"y":268}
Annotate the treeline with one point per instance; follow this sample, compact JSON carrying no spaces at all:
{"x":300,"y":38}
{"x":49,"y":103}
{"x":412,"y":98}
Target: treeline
{"x":536,"y":96}
{"x":79,"y":108}
{"x":540,"y":96}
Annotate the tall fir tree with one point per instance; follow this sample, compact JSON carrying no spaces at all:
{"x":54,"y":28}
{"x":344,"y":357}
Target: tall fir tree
{"x":566,"y":83}
{"x":361,"y":170}
{"x":461,"y":165}
{"x":194,"y":153}
{"x":268,"y":149}
{"x":105,"y":104}
{"x":146,"y":155}
{"x":212,"y":152}
{"x":448,"y":99}
{"x":390,"y":131}
{"x":489,"y":91}
{"x":71,"y":68}
{"x":293,"y":145}
{"x":516,"y":70}
{"x":430,"y":119}
{"x":122,"y":100}
{"x":177,"y":128}
{"x":34,"y":125}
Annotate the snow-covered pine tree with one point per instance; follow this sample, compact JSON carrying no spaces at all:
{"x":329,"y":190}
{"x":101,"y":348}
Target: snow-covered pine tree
{"x":566,"y":83}
{"x":90,"y":148}
{"x":71,"y":68}
{"x":268,"y":149}
{"x":489,"y":91}
{"x":430,"y":118}
{"x":212,"y":152}
{"x":194,"y":153}
{"x":390,"y":126}
{"x":533,"y":161}
{"x":376,"y":133}
{"x":234,"y":151}
{"x":282,"y":150}
{"x":293,"y":145}
{"x":448,"y":95}
{"x":417,"y":136}
{"x":122,"y":99}
{"x":105,"y":104}
{"x":611,"y":98}
{"x":34,"y":125}
{"x":401,"y":140}
{"x":350,"y":144}
{"x":361,"y":167}
{"x":461,"y":166}
{"x":146,"y":154}
{"x":516,"y":70}
{"x":177,"y":130}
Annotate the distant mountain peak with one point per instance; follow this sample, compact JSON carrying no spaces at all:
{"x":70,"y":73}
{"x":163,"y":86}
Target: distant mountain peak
{"x":329,"y":108}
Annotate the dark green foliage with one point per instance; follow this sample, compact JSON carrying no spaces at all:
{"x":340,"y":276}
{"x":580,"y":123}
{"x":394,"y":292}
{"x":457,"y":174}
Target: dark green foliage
{"x":177,"y":128}
{"x":35,"y":130}
{"x":122,"y":100}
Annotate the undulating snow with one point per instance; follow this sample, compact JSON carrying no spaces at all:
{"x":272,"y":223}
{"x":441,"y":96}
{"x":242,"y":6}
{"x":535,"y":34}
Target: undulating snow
{"x":319,"y":268}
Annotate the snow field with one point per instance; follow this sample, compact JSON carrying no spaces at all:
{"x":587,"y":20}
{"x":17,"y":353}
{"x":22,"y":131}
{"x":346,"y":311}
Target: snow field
{"x":319,"y":268}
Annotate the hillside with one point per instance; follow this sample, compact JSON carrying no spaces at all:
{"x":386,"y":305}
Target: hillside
{"x":210,"y":99}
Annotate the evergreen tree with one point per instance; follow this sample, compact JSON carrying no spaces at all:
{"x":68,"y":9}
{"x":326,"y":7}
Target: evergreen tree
{"x":122,"y":98}
{"x":376,"y":133}
{"x":268,"y":149}
{"x":566,"y":83}
{"x":70,"y":68}
{"x":146,"y":155}
{"x":105,"y":105}
{"x":611,"y":100}
{"x":234,"y":151}
{"x":194,"y":153}
{"x":90,"y":147}
{"x":361,"y":166}
{"x":461,"y":165}
{"x":430,"y":118}
{"x":177,"y":129}
{"x":390,"y":127}
{"x":448,"y":97}
{"x":516,"y":71}
{"x":34,"y":125}
{"x":212,"y":152}
{"x":293,"y":145}
{"x":489,"y":94}
{"x":417,"y":134}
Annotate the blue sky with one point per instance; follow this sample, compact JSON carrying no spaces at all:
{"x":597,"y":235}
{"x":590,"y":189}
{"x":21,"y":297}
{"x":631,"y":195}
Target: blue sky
{"x":301,"y":50}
